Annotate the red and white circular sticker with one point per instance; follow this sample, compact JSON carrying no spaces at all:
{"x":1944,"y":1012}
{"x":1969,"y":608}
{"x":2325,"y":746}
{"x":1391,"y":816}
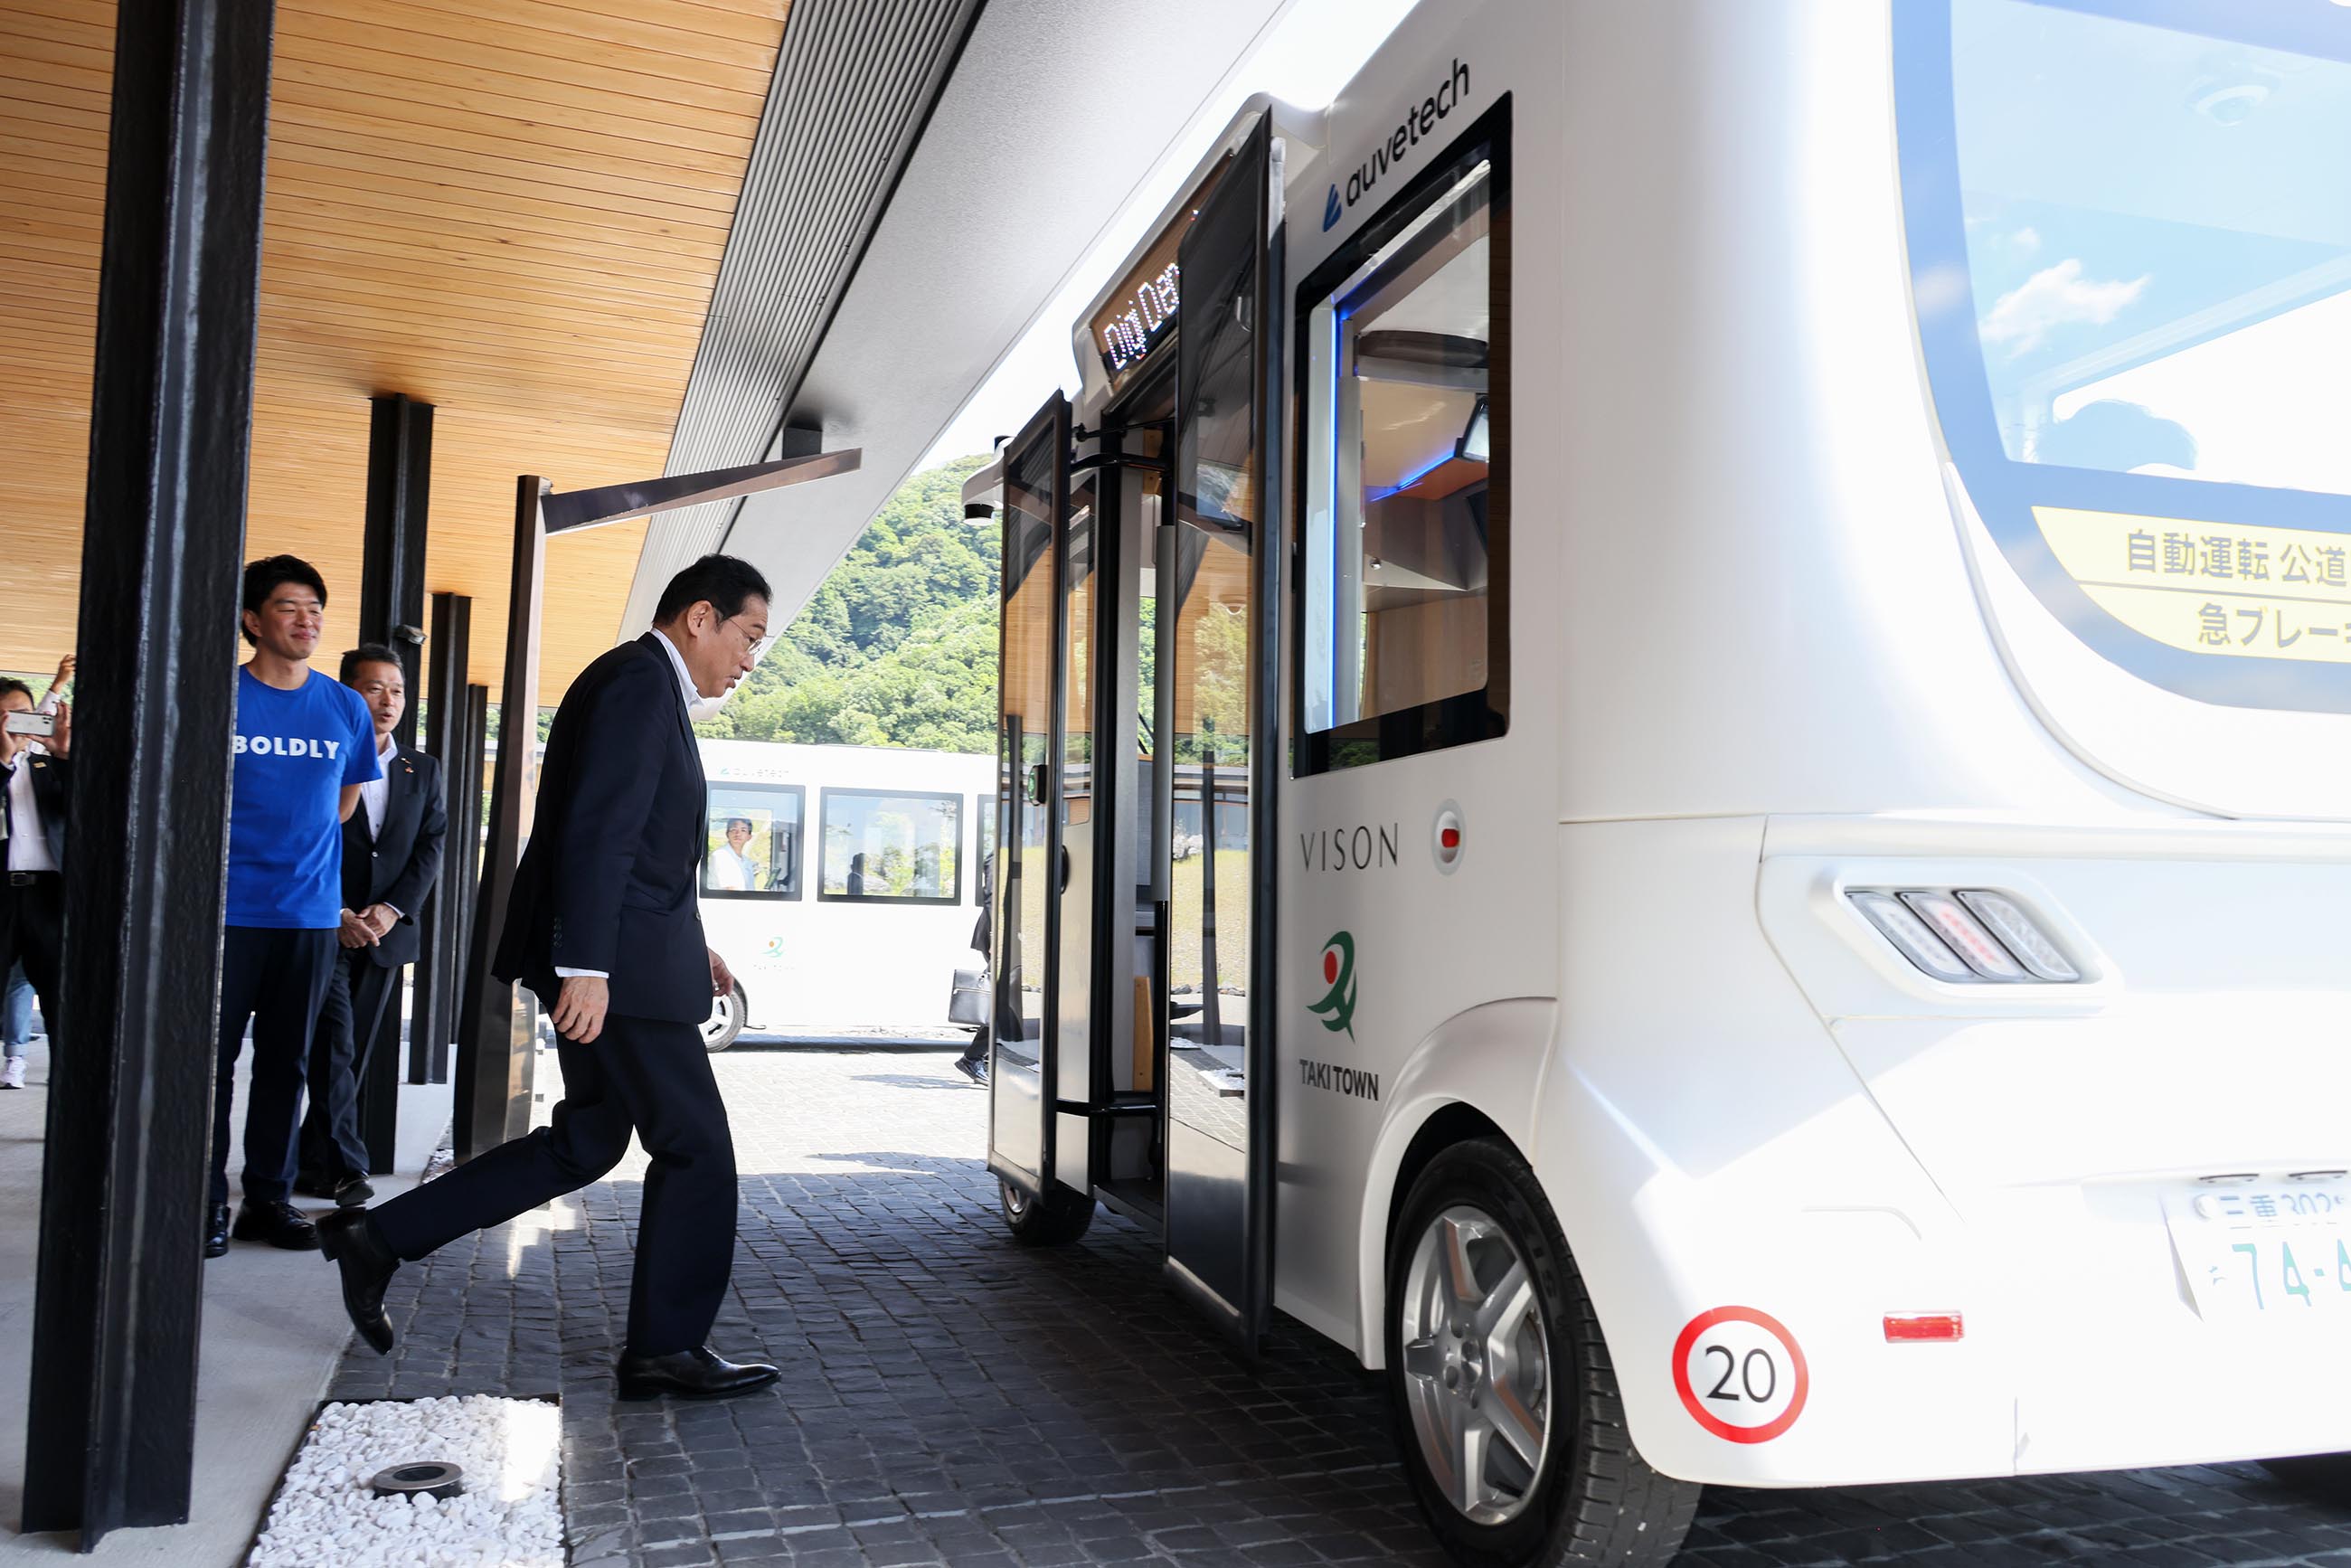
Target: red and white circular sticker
{"x":1740,"y":1374}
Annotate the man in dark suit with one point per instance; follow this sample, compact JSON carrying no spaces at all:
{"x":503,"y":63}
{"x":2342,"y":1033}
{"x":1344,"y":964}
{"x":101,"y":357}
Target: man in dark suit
{"x":33,"y":790}
{"x":603,"y":925}
{"x":391,"y":858}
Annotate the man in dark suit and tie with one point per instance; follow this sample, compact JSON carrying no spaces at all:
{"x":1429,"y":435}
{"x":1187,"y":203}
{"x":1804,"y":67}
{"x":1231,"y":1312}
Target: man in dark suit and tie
{"x":604,"y":926}
{"x":391,"y":858}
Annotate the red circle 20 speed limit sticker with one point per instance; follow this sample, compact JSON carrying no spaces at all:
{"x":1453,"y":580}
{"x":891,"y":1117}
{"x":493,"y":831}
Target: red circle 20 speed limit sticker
{"x":1740,"y":1375}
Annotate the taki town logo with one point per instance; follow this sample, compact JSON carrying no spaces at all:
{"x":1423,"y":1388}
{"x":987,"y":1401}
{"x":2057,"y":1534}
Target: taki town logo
{"x":1339,"y":973}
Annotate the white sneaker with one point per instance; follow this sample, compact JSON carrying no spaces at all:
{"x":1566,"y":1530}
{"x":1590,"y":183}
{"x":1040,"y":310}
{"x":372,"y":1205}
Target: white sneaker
{"x":11,"y":1076}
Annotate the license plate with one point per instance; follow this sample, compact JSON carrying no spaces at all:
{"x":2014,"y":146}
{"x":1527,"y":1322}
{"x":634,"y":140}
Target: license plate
{"x":2269,"y":1252}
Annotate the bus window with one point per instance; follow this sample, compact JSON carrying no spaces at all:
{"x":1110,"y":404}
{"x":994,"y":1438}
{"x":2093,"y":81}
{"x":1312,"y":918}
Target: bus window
{"x":1402,"y":637}
{"x":886,"y":847}
{"x":2130,"y":248}
{"x":752,"y":848}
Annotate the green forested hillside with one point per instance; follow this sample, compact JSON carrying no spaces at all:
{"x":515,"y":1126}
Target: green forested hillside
{"x":898,"y":647}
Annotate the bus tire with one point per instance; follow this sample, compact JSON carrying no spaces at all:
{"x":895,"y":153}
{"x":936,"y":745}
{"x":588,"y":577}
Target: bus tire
{"x":726,"y":1022}
{"x":1587,"y":1496}
{"x":1057,"y":1219}
{"x":2326,"y":1477}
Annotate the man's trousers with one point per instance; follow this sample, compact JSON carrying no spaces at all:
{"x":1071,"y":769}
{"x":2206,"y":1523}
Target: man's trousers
{"x":276,"y":979}
{"x":357,"y":990}
{"x":649,"y":1076}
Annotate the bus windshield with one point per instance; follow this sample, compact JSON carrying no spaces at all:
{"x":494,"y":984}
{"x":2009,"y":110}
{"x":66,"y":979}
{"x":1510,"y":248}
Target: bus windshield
{"x":2130,"y":235}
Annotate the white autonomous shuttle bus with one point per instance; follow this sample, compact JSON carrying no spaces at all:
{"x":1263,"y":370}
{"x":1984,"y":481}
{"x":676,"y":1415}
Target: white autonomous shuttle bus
{"x":837,"y":883}
{"x":1758,"y":595}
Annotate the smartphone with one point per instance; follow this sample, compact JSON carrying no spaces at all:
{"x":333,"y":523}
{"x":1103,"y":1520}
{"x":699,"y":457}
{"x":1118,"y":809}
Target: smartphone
{"x":42,"y":724}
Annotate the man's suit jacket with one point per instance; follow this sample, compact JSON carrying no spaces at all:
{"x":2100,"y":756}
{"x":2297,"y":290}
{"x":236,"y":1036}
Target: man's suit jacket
{"x":606,"y":880}
{"x":52,"y":780}
{"x":399,"y":862}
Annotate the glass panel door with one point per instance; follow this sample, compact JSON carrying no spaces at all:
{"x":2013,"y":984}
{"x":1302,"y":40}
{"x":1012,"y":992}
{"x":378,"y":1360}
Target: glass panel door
{"x":1080,"y":809}
{"x":1019,"y":1105}
{"x":1219,"y":1128}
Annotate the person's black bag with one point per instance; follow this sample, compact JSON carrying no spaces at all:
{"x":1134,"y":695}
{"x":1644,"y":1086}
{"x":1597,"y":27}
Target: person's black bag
{"x":968,"y":1003}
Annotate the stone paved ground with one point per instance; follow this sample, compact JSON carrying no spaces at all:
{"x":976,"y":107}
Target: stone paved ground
{"x":950,"y":1398}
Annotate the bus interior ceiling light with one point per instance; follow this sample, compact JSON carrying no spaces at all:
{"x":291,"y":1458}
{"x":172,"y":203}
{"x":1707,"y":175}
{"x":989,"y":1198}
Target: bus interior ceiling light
{"x":1966,"y":935}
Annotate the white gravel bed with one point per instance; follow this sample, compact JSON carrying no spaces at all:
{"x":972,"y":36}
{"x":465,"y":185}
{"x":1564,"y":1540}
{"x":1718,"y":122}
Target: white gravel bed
{"x":511,"y":1516}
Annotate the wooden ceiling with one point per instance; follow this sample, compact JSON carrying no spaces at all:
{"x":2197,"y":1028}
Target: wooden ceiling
{"x":512,"y":210}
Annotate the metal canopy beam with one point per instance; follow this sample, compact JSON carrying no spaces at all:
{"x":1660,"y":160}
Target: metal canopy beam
{"x":495,"y":1038}
{"x":112,"y":1412}
{"x":610,"y":503}
{"x":441,"y":964}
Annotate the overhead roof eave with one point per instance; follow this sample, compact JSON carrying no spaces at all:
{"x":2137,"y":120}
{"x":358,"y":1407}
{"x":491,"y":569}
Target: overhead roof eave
{"x":1054,"y":113}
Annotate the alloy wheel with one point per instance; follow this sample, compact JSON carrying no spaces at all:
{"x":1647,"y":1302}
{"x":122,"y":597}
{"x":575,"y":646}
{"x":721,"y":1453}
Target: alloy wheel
{"x":1477,"y":1364}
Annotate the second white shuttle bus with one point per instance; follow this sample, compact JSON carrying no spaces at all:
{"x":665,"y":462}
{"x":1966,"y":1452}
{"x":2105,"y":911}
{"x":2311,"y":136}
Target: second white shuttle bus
{"x":1758,"y":595}
{"x":841,"y":883}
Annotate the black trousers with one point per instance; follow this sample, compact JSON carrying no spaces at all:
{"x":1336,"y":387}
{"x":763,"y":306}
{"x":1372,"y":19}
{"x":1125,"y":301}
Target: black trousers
{"x":276,"y":979}
{"x":32,"y":933}
{"x":644,"y":1075}
{"x":357,"y":990}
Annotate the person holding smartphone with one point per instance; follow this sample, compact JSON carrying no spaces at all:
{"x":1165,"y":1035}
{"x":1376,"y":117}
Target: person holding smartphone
{"x":34,"y":767}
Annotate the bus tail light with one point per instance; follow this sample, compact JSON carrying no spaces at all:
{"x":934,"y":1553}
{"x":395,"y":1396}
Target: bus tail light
{"x":2015,"y":929}
{"x":1966,"y":935}
{"x":1910,"y":934}
{"x":1923,"y":1328}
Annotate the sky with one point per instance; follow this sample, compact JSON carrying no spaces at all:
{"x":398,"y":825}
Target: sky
{"x":1304,"y":59}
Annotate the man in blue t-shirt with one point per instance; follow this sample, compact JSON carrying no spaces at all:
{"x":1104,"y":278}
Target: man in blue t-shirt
{"x":305,"y":744}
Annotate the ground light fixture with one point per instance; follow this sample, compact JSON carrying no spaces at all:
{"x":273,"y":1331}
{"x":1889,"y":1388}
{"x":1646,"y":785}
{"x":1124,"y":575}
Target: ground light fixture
{"x":1966,"y":935}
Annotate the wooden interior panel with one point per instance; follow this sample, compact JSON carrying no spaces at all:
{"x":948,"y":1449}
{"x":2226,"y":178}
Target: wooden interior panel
{"x":513,"y":210}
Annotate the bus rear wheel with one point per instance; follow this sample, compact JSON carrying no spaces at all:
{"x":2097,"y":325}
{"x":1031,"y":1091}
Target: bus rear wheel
{"x":1506,"y":1406}
{"x":725,"y":1021}
{"x":1061,"y":1217}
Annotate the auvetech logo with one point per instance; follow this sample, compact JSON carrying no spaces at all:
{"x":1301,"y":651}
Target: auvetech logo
{"x":1417,"y":122}
{"x":1339,"y":973}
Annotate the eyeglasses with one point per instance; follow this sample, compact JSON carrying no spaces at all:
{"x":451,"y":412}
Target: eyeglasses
{"x":759,"y":646}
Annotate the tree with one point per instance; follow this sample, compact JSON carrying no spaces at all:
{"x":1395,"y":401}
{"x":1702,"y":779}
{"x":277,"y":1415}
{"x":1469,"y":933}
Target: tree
{"x":898,"y":646}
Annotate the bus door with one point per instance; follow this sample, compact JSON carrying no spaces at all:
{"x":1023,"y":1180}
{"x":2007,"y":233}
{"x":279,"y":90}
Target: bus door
{"x":1030,"y":848}
{"x":1219,"y":675}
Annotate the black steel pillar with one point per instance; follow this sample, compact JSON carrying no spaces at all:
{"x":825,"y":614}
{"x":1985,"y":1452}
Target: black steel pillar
{"x":476,"y":742}
{"x":495,"y":1047}
{"x":399,"y":496}
{"x":391,"y":611}
{"x":441,"y":966}
{"x":118,"y":1302}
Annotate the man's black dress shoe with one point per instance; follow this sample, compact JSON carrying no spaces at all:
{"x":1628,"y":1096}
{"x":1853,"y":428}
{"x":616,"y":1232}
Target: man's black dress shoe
{"x":351,"y":1243}
{"x":217,"y":1230}
{"x":352,"y":1192}
{"x":277,"y":1222}
{"x":697,"y":1374}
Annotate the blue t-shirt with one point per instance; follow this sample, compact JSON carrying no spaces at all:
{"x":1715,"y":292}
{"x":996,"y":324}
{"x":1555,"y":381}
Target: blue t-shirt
{"x":294,"y":752}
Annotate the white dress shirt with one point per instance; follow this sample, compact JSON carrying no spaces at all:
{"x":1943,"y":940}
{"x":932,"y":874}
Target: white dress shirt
{"x":375,"y":795}
{"x":688,"y":694}
{"x":28,"y":846}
